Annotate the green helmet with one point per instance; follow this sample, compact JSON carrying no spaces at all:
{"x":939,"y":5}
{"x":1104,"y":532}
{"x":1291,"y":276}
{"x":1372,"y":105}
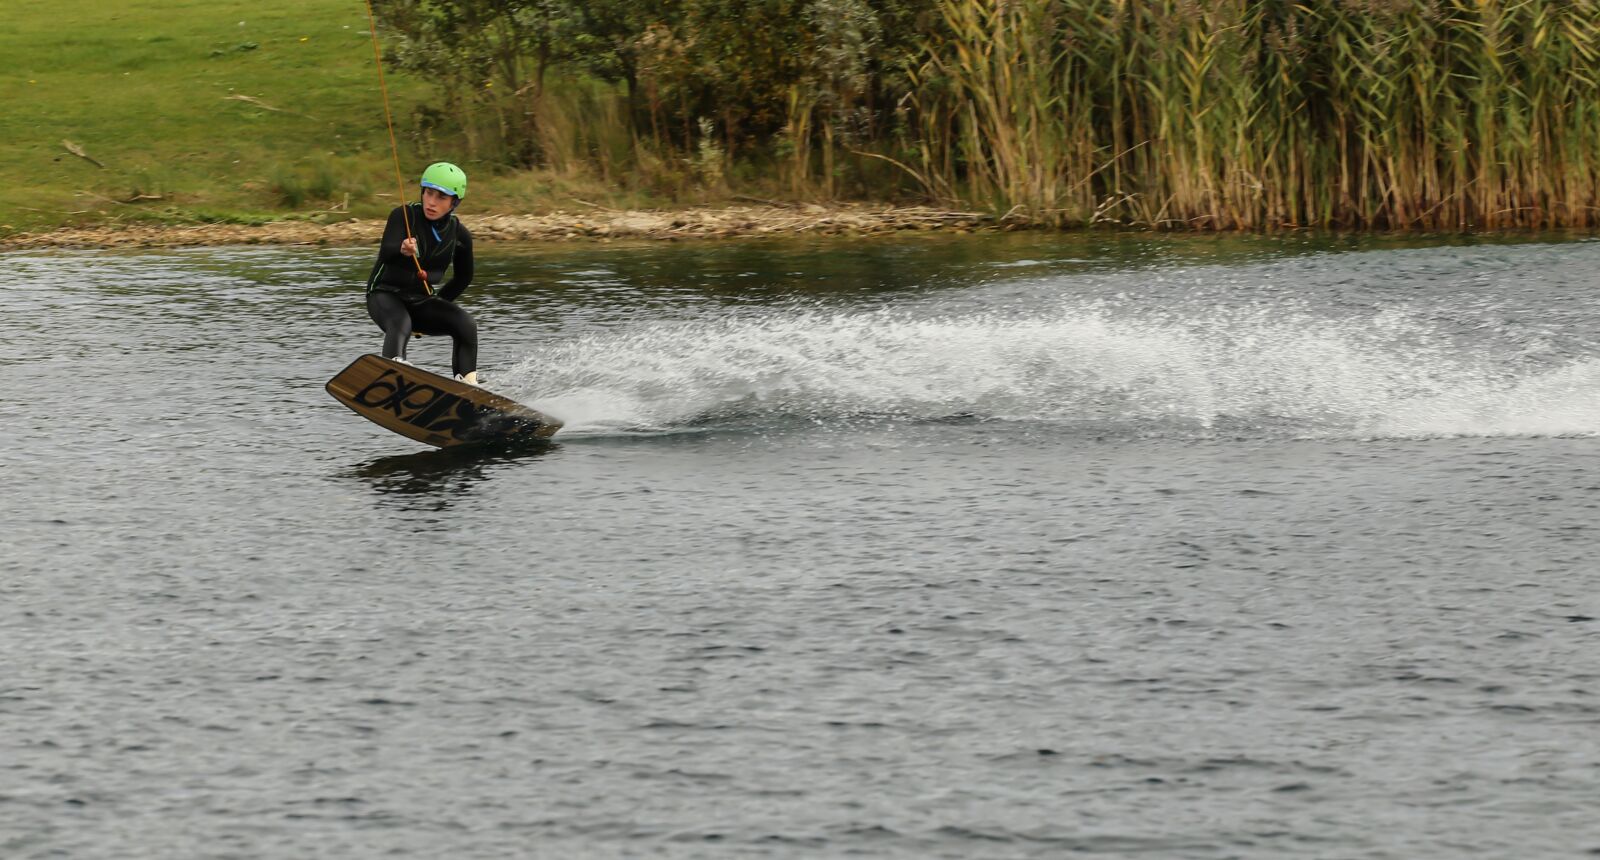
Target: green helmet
{"x":446,"y":177}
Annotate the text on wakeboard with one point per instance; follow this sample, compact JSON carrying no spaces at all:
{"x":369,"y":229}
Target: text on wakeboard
{"x":420,"y":404}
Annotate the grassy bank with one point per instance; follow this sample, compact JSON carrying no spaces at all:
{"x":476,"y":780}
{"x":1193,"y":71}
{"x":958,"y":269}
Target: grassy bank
{"x":198,"y":111}
{"x":190,"y":110}
{"x":1167,"y":114}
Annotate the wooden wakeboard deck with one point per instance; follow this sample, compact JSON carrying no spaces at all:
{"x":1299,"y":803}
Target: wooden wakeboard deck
{"x":434,"y":409}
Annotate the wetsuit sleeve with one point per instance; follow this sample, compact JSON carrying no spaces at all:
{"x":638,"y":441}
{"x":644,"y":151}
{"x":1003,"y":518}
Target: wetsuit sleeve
{"x":462,"y":265}
{"x":393,"y":234}
{"x":390,"y":257}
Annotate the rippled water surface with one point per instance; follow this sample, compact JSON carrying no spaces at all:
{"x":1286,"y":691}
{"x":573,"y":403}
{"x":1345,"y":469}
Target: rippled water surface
{"x":981,"y":547}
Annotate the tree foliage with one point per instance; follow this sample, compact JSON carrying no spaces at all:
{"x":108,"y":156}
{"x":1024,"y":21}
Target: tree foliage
{"x":1227,"y":113}
{"x":743,"y":64}
{"x":487,"y":56}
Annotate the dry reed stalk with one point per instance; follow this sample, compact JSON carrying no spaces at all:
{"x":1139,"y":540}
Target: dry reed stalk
{"x":1424,"y":114}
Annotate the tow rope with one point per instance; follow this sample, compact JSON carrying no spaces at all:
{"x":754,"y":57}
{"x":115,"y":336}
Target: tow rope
{"x":388,"y":118}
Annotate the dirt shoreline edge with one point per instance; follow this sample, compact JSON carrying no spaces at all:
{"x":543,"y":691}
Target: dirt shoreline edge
{"x":599,"y":223}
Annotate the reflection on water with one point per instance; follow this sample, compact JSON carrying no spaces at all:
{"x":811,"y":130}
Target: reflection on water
{"x":441,"y":475}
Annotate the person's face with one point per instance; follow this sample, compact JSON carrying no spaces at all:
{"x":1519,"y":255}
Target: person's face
{"x":436,"y":204}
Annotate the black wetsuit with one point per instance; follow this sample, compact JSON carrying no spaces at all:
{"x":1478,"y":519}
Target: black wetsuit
{"x":398,"y":301}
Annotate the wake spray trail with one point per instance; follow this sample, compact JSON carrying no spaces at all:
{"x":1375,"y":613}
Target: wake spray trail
{"x":1254,"y":371}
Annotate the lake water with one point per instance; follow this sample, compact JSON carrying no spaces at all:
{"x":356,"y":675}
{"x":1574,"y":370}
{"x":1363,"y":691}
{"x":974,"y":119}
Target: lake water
{"x":943,"y":547}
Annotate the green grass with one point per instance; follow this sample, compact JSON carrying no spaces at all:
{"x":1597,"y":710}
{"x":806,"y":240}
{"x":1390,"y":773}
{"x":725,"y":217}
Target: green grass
{"x":175,"y":98}
{"x":157,"y":91}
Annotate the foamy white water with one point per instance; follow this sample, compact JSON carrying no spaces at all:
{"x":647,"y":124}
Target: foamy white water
{"x":1279,"y":371}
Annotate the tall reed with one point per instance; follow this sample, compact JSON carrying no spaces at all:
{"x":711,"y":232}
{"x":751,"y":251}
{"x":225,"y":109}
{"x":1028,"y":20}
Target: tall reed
{"x":1430,"y":114}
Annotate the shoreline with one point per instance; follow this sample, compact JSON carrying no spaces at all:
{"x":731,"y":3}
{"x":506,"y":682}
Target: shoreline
{"x":599,"y":223}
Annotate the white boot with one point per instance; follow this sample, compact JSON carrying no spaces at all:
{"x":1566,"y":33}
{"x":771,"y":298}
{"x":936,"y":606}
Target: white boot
{"x":470,"y":377}
{"x":400,"y":359}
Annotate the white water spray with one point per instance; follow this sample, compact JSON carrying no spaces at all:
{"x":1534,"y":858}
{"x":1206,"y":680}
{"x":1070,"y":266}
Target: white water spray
{"x":1250,"y":371}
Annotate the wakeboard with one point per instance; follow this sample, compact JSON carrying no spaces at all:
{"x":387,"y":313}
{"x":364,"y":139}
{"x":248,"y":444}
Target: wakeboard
{"x":434,"y":409}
